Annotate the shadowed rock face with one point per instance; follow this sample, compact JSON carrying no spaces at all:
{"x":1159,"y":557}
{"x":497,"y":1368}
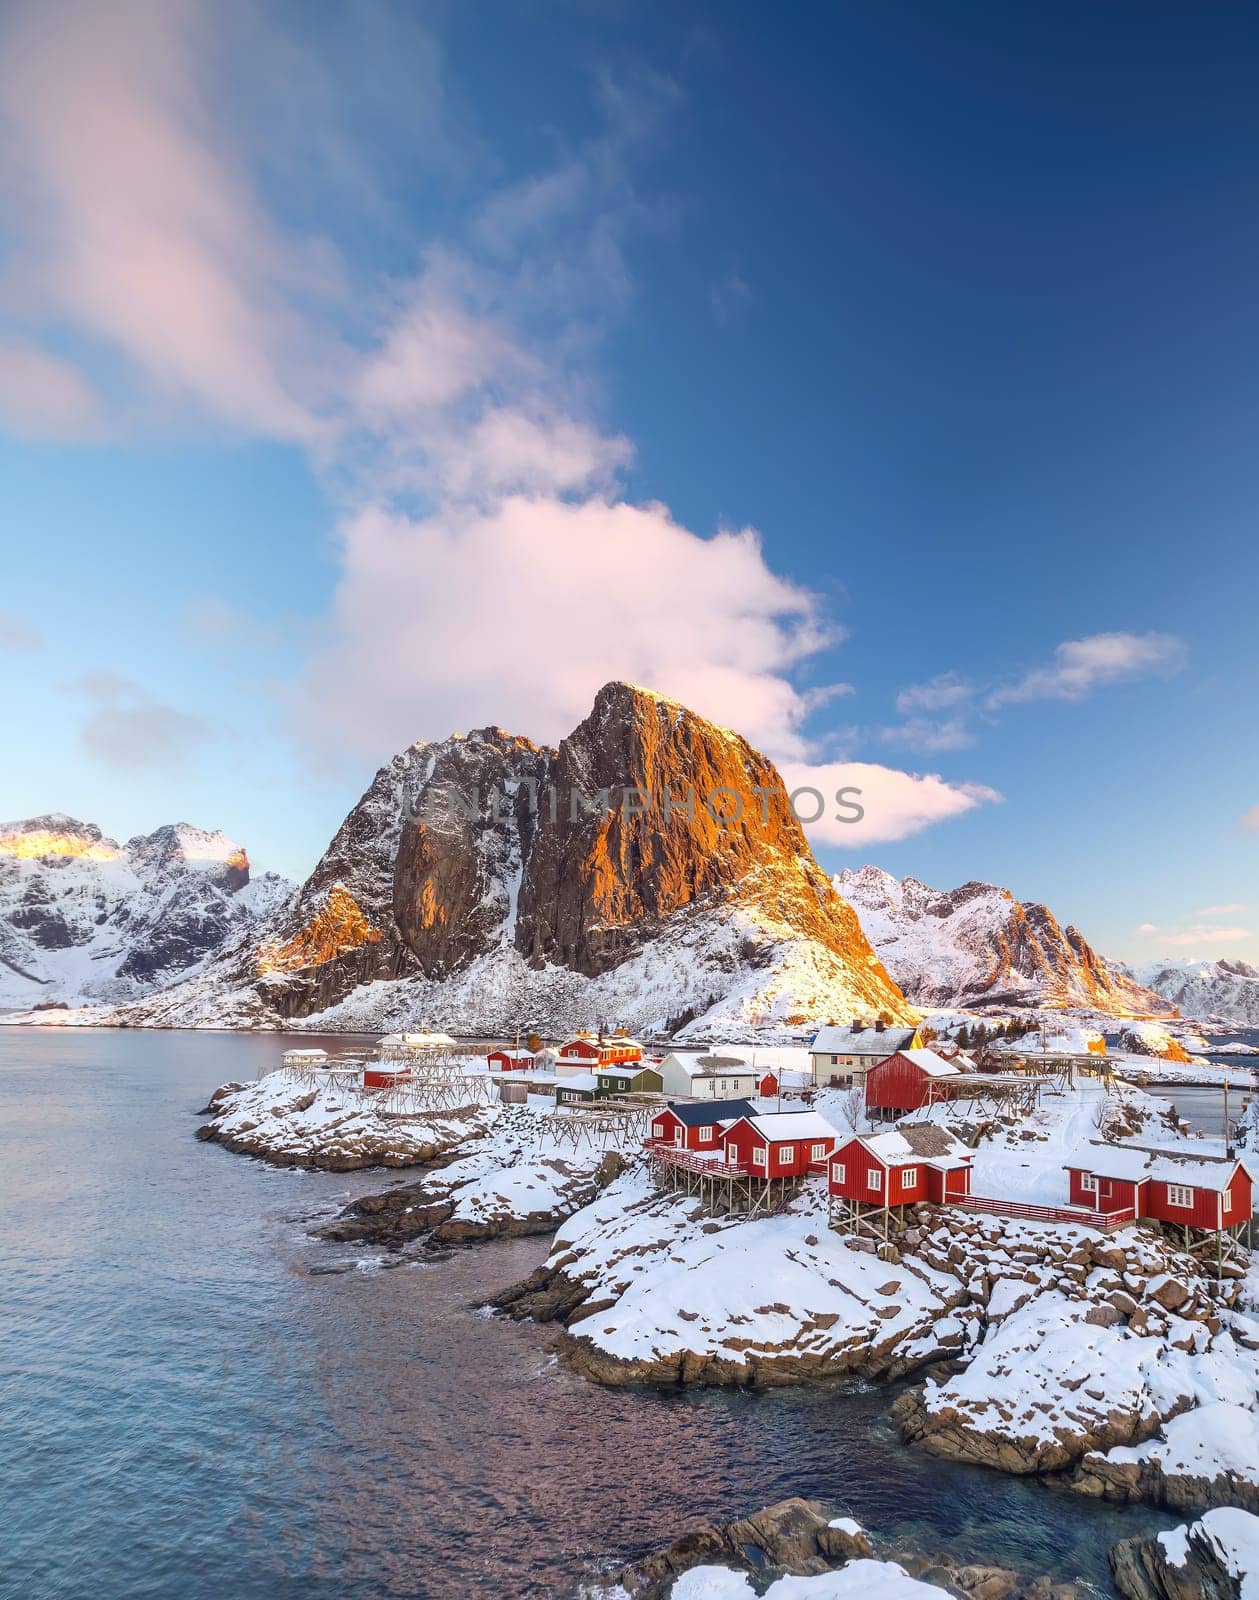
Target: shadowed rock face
{"x":440,"y":880}
{"x":593,"y":882}
{"x":459,"y":863}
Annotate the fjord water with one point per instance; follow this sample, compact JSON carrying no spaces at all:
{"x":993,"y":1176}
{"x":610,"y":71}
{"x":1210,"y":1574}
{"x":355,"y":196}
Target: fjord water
{"x":185,"y":1409}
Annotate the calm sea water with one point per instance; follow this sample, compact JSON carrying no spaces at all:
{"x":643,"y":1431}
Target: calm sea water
{"x":186,"y":1410}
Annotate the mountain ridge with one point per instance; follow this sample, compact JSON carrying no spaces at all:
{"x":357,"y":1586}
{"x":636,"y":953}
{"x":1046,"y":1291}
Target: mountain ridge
{"x":541,"y":909}
{"x":978,"y":945}
{"x":84,"y":918}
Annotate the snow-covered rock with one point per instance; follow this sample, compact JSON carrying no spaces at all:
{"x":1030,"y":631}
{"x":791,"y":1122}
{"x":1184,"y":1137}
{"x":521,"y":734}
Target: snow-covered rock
{"x":977,"y":944}
{"x":1227,"y":990}
{"x":656,"y":1291}
{"x":85,"y":920}
{"x":1215,"y":1558}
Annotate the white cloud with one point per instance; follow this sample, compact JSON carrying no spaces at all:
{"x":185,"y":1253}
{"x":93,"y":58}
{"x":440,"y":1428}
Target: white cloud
{"x":517,"y":614}
{"x":895,"y":804}
{"x":937,"y":694}
{"x":930,"y":735}
{"x":1082,"y":665}
{"x":1220,"y":911}
{"x":433,"y":354}
{"x":44,"y":396}
{"x":1250,"y":820}
{"x":17,"y":634}
{"x":135,"y":224}
{"x":127,"y":728}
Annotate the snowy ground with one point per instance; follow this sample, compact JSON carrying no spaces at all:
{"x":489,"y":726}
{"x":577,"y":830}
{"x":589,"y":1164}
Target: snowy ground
{"x":761,"y":1300}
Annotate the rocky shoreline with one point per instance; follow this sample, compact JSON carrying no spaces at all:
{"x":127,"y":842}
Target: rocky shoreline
{"x":797,"y":1550}
{"x":799,"y":1538}
{"x":283,"y":1120}
{"x":429,"y":1209}
{"x":1117,"y":1363}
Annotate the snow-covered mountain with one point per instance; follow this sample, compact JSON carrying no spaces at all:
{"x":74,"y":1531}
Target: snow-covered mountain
{"x":1223,"y":990}
{"x":978,"y":945}
{"x":528,"y":909}
{"x":83,"y":918}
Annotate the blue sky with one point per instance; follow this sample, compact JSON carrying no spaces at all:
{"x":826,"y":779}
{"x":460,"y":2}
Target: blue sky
{"x":374,"y":372}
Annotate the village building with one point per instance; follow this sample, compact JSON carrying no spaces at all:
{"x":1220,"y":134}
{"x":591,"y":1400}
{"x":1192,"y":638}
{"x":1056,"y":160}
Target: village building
{"x":779,"y":1144}
{"x":708,"y":1077}
{"x":304,"y":1060}
{"x":913,"y":1162}
{"x":698,"y":1125}
{"x":385,"y":1074}
{"x":415,"y":1046}
{"x":839,"y":1057}
{"x":1183,"y":1189}
{"x":911,"y":1079}
{"x":639,"y":1078}
{"x":506,"y":1059}
{"x":576,"y":1088}
{"x":585,"y":1052}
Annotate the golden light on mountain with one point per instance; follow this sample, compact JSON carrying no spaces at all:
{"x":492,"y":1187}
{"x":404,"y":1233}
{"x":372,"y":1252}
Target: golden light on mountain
{"x":38,"y":845}
{"x":339,"y":925}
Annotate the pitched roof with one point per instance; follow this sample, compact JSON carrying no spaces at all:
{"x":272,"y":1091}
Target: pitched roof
{"x":860,"y":1041}
{"x":779,"y":1125}
{"x":628,"y":1069}
{"x":714,"y":1066}
{"x":1133,"y":1163}
{"x":935,"y":1066}
{"x":916,"y":1141}
{"x":579,"y":1080}
{"x":702,"y":1113}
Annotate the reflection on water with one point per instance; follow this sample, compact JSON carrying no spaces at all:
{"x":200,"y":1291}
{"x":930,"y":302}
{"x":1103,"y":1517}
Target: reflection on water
{"x":185,"y":1409}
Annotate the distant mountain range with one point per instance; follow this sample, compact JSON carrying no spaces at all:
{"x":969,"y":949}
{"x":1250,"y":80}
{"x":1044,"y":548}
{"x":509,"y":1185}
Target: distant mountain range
{"x":529,"y":910}
{"x":1227,"y":991}
{"x":85,"y":919}
{"x":978,"y":946}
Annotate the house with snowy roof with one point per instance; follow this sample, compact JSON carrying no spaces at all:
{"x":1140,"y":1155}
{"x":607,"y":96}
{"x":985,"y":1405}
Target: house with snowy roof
{"x":779,"y":1144}
{"x":1180,"y":1188}
{"x":507,"y":1059}
{"x":913,"y":1162}
{"x":842,"y":1056}
{"x":714,"y":1075}
{"x":909,"y":1080}
{"x":697,"y":1125}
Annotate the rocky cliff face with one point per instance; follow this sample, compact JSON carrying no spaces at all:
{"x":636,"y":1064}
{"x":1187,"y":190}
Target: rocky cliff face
{"x":977,"y":944}
{"x":483,"y":881}
{"x":1227,"y":990}
{"x":83,"y":918}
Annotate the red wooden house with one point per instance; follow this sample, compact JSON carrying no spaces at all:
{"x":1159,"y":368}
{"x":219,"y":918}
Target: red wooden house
{"x":384,"y":1074}
{"x":508,"y":1060}
{"x":767,"y":1088}
{"x":911,"y":1079}
{"x":913,"y":1162}
{"x":779,"y":1144}
{"x":1173,"y":1186}
{"x":586,"y":1053}
{"x":698,"y":1126}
